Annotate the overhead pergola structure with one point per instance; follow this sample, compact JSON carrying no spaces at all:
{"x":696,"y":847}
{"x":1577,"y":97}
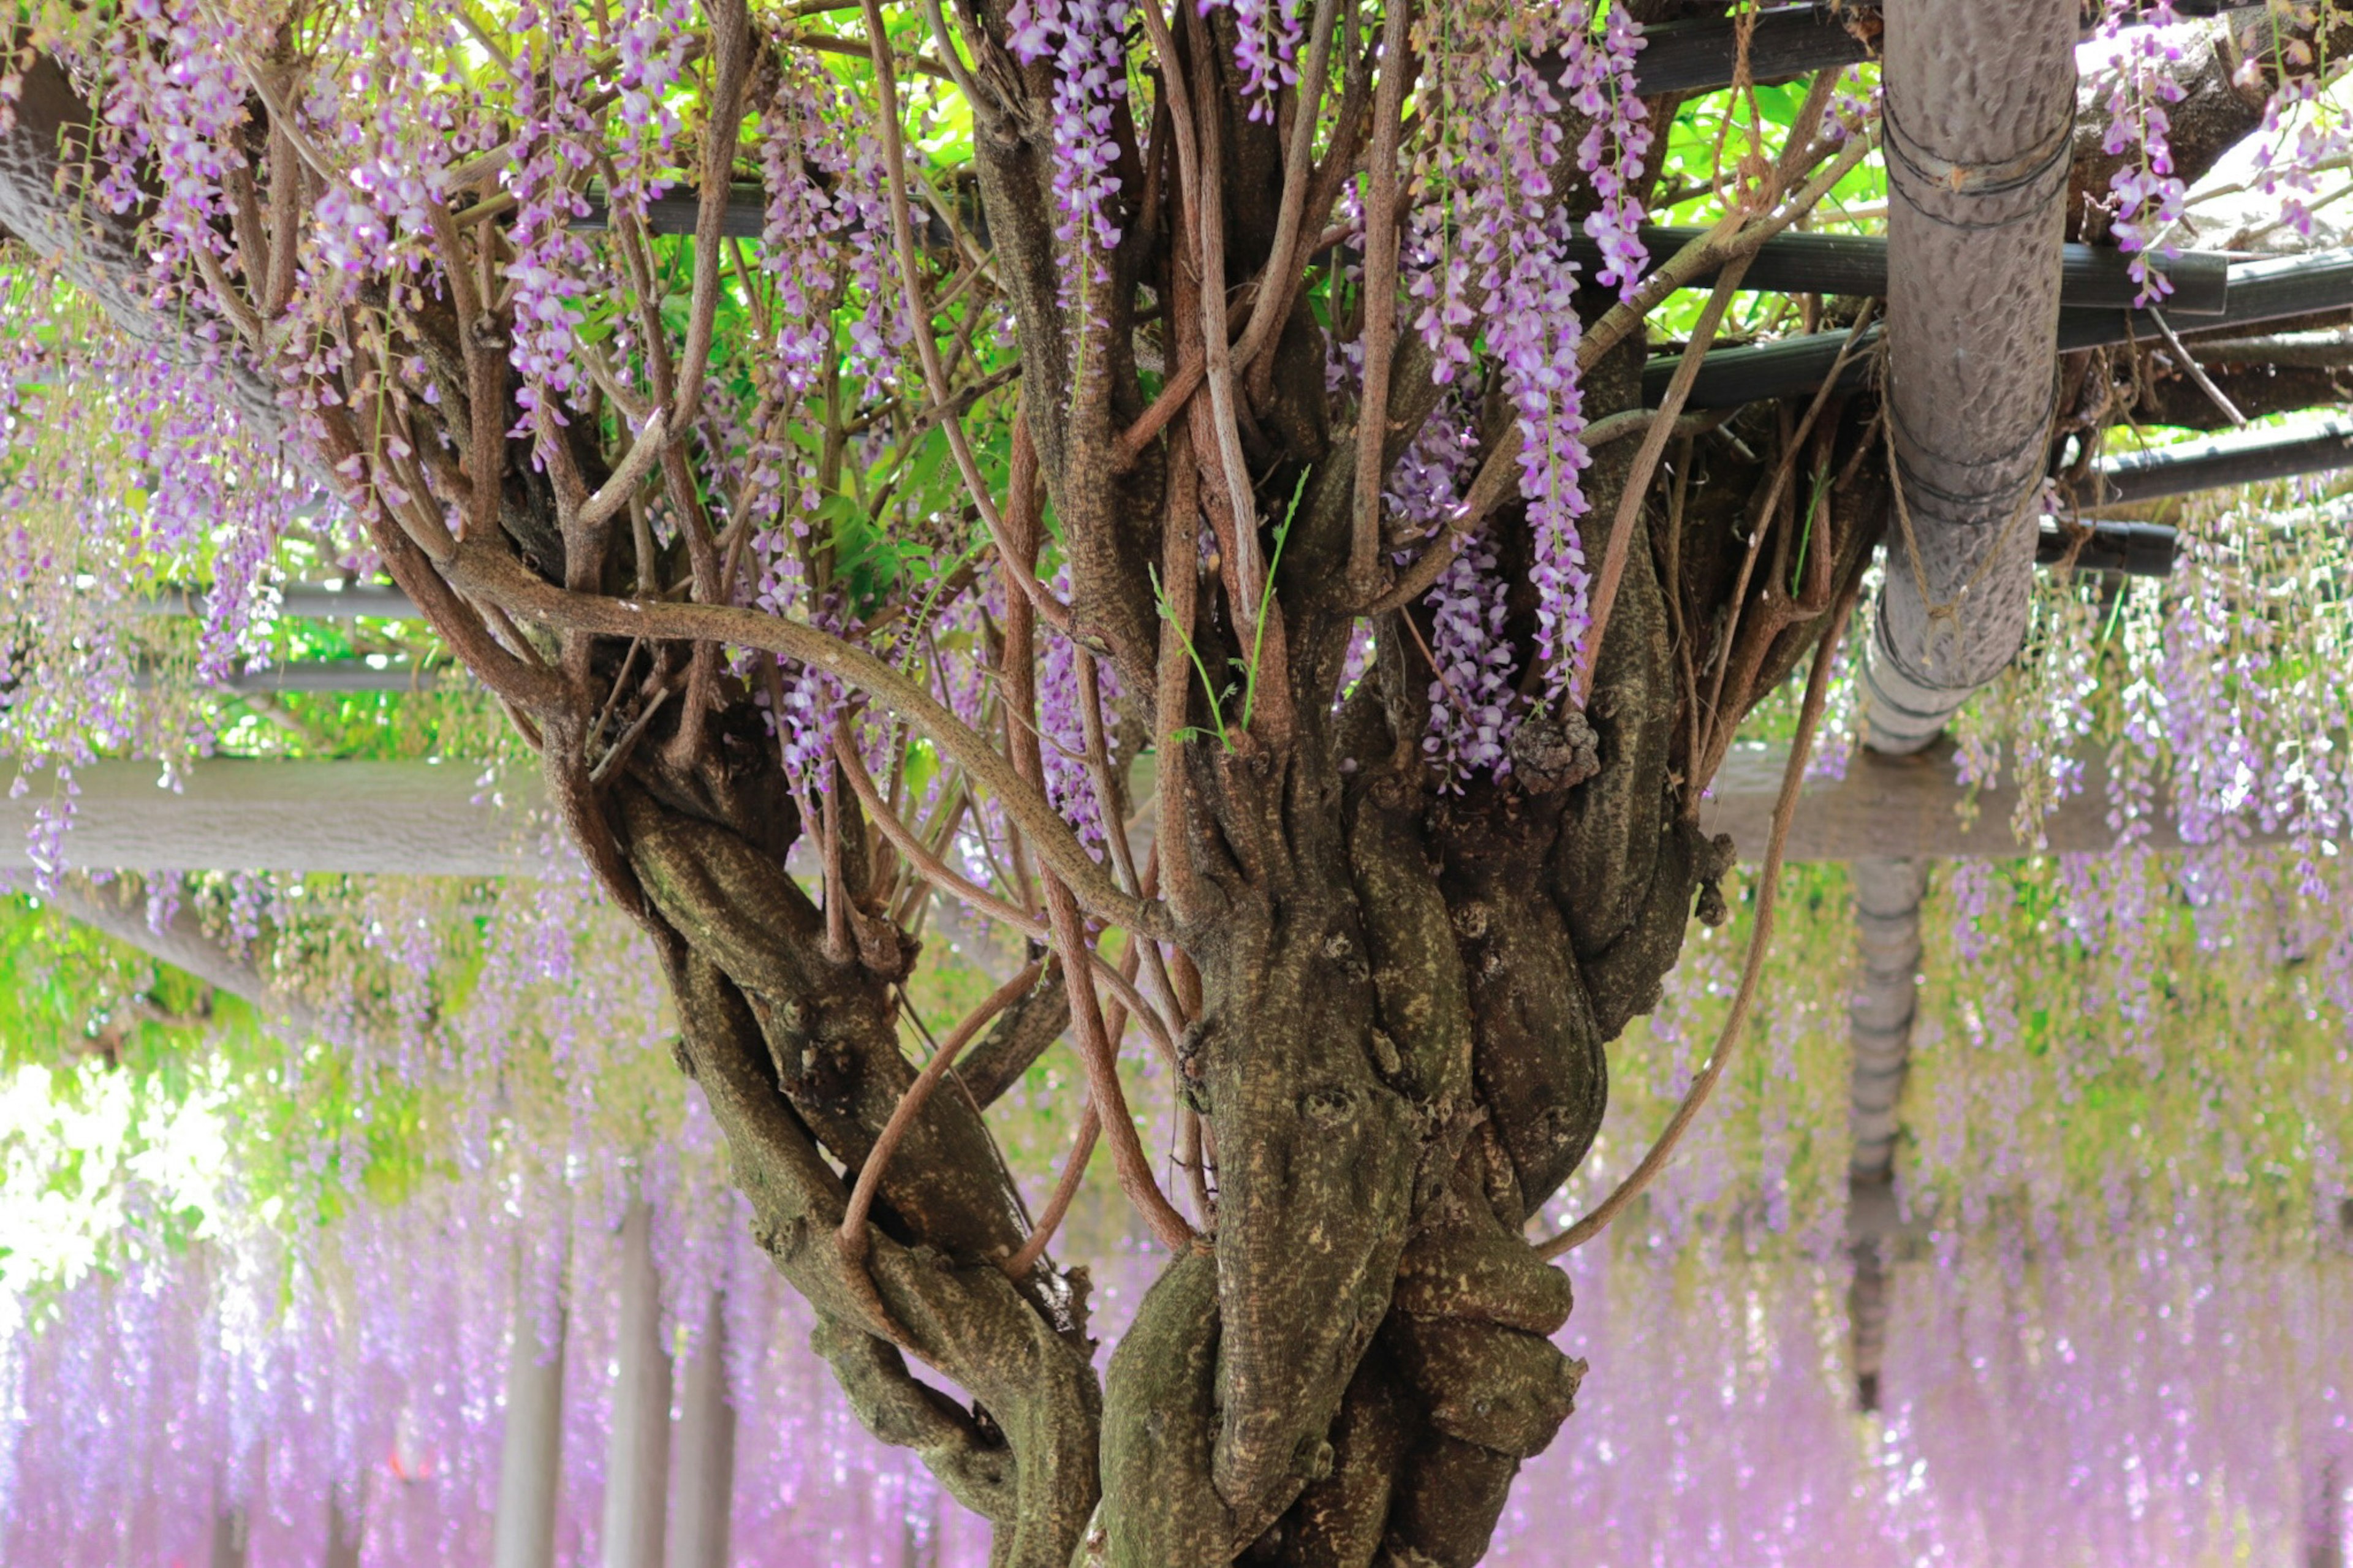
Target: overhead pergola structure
{"x":1885,"y":817}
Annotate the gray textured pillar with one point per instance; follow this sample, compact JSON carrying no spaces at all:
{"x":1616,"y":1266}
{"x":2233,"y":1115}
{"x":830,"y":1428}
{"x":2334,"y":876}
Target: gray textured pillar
{"x":232,"y":1536}
{"x":636,"y":1453}
{"x":1978,"y":125}
{"x":2324,"y":1530}
{"x":523,"y":1531}
{"x":702,"y":1452}
{"x":346,"y":1526}
{"x":1887,"y":895}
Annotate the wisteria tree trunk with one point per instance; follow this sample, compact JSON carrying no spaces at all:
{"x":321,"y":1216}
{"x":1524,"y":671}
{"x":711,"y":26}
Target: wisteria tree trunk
{"x":1392,"y":916}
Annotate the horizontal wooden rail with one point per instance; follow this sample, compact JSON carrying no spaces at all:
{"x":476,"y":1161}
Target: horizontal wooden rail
{"x":240,"y":815}
{"x":308,"y":601}
{"x":432,"y":819}
{"x":1910,"y":806}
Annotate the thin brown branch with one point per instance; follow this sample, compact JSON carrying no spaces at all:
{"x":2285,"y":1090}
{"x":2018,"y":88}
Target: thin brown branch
{"x":910,"y":281}
{"x":1636,"y":488}
{"x":731,"y":50}
{"x":1179,"y":585}
{"x":1066,"y":1187}
{"x":1782,"y":472}
{"x":927,"y":862}
{"x":1177,"y":392}
{"x":1273,"y":301}
{"x":1218,"y":364}
{"x":1785,"y":811}
{"x":1128,"y":1159}
{"x":497,"y":577}
{"x":1186,"y":380}
{"x":2197,"y":372}
{"x":852,"y":1237}
{"x":1380,"y":302}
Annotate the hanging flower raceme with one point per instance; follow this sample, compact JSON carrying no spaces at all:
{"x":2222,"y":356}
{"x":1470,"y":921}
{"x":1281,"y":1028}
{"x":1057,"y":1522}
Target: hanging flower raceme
{"x":1086,"y":41}
{"x":1062,"y":732}
{"x":556,"y":142}
{"x":650,"y":45}
{"x":174,"y":106}
{"x":1600,"y":77}
{"x":2301,"y":134}
{"x":1472,"y":707}
{"x":1267,"y":34}
{"x":2148,"y":195}
{"x":1509,"y":252}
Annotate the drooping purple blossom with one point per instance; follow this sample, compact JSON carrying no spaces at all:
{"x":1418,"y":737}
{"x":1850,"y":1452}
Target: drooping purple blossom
{"x":1267,"y":36}
{"x":2147,"y":194}
{"x":1086,"y":41}
{"x":1599,"y":76}
{"x":1473,"y":705}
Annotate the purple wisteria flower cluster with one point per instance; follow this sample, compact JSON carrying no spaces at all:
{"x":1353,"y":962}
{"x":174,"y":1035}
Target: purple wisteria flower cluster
{"x":649,"y":42}
{"x":1086,"y":41}
{"x":1266,"y":47}
{"x":1474,"y":709}
{"x":2300,"y":135}
{"x":557,"y":141}
{"x":1493,"y":254}
{"x":2147,"y":194}
{"x":1599,"y":78}
{"x":1061,"y":728}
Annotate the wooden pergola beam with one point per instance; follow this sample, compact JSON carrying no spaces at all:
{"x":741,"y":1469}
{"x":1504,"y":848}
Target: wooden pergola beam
{"x":238,"y":815}
{"x":424,"y":819}
{"x":1912,"y":807}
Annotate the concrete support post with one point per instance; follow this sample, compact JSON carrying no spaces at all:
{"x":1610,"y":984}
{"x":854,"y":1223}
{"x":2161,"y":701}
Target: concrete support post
{"x":703,"y":1451}
{"x":1979,"y":124}
{"x":346,"y":1525}
{"x":231,"y":1533}
{"x":1887,"y":895}
{"x":524,"y":1533}
{"x":636,"y":1453}
{"x":2324,"y":1544}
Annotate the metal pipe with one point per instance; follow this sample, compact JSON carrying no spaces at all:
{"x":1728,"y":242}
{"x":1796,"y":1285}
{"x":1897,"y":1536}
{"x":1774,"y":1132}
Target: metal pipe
{"x":2224,"y":462}
{"x":2271,"y":290}
{"x":2131,"y":549}
{"x":1977,"y":126}
{"x":2091,"y":276}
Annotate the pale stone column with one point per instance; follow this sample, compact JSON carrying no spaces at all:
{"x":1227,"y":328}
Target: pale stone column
{"x":1887,"y":897}
{"x":703,"y":1451}
{"x":636,"y":1453}
{"x":524,"y":1533}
